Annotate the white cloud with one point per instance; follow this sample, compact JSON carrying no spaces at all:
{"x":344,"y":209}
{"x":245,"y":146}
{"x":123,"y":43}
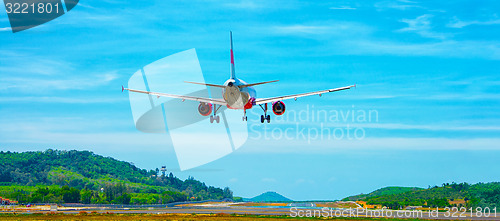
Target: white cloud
{"x":56,"y":83}
{"x":6,"y":29}
{"x":446,"y":127}
{"x":303,"y":29}
{"x":384,"y":143}
{"x":354,"y":38}
{"x":22,"y":65}
{"x":343,"y":8}
{"x":422,"y":26}
{"x":325,"y":29}
{"x":457,"y":23}
{"x":123,"y":142}
{"x":268,"y":180}
{"x":397,"y":5}
{"x":85,"y":5}
{"x":447,"y":48}
{"x":244,"y":4}
{"x":305,"y":181}
{"x":65,"y":100}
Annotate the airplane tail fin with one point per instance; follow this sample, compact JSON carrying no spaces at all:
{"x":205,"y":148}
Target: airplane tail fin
{"x":233,"y":75}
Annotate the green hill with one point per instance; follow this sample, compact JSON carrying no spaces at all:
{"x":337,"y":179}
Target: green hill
{"x":91,"y":178}
{"x":463,"y":194}
{"x":381,"y":192}
{"x":269,"y":197}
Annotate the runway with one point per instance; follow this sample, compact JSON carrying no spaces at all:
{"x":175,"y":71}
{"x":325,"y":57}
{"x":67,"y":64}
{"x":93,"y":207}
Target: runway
{"x":243,"y":209}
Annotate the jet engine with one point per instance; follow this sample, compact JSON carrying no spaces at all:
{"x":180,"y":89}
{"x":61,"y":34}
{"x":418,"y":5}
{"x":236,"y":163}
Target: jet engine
{"x":279,"y":108}
{"x":205,"y":109}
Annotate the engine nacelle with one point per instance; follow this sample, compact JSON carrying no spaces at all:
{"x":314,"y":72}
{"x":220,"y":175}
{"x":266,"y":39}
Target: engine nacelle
{"x":279,"y":108}
{"x":205,"y":109}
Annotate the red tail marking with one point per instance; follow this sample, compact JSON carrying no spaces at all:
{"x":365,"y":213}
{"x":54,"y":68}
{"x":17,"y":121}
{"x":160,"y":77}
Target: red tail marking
{"x":232,"y":57}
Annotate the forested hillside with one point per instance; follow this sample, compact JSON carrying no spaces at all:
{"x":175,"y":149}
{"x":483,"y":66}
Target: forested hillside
{"x":85,"y":177}
{"x":463,"y":194}
{"x":381,"y":192}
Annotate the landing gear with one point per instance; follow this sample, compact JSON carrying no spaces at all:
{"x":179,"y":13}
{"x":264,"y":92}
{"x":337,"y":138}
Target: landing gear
{"x":215,"y":117}
{"x":245,"y":115}
{"x":264,"y":117}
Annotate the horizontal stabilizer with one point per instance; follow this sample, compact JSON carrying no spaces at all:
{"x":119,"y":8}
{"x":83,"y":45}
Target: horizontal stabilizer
{"x":222,"y":86}
{"x":250,"y":85}
{"x":211,"y":85}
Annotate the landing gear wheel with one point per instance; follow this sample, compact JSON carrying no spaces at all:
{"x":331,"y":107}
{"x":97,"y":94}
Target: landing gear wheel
{"x":215,"y":117}
{"x":245,"y":118}
{"x":265,"y":117}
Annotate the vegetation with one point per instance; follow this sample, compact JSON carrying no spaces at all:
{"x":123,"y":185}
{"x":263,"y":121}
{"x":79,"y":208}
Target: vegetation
{"x":84,"y":177}
{"x":382,"y":192}
{"x":187,"y":217}
{"x":480,"y":194}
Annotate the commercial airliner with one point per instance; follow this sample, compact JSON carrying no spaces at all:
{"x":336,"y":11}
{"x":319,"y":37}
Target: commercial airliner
{"x":237,"y":94}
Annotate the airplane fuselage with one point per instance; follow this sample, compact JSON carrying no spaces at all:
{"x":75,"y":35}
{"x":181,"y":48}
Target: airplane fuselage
{"x":238,"y":97}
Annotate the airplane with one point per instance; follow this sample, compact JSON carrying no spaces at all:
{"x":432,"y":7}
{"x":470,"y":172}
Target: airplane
{"x":238,"y":95}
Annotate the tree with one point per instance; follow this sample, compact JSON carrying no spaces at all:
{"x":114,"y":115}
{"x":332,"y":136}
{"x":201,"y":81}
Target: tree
{"x":227,"y":193}
{"x":70,"y":195}
{"x":86,"y":196}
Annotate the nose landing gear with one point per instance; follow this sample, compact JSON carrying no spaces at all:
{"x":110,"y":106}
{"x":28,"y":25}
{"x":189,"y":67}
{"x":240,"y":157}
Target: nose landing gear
{"x":245,"y":115}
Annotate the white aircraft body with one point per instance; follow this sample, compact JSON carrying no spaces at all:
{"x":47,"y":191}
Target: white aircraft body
{"x":237,"y":94}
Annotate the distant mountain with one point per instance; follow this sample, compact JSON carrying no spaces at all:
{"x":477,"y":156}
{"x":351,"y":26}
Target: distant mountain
{"x":269,"y":197}
{"x":382,"y":192}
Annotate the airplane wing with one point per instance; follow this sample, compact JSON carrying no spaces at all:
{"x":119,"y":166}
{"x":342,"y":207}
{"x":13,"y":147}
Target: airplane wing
{"x":273,"y":99}
{"x":201,"y":99}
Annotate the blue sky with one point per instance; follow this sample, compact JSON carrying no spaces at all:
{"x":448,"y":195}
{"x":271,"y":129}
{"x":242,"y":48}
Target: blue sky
{"x":429,"y":69}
